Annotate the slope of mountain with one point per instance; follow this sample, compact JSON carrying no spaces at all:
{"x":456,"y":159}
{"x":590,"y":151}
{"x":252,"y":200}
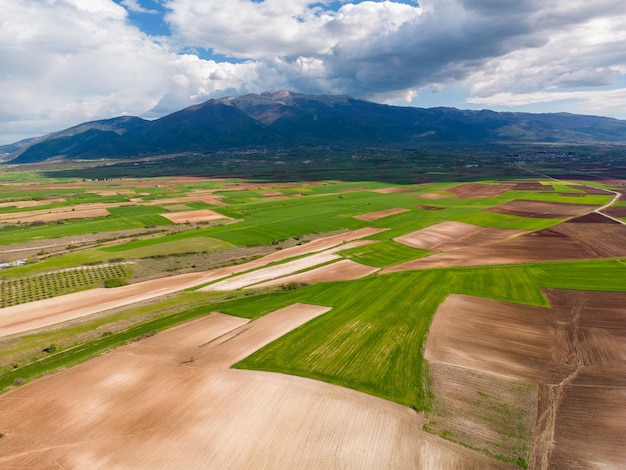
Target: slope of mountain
{"x":286,"y":118}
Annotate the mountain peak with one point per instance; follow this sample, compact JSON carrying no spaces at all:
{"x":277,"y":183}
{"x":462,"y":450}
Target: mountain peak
{"x":286,"y":118}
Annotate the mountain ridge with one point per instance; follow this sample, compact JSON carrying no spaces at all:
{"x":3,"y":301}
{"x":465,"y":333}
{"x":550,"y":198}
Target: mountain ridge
{"x":286,"y":118}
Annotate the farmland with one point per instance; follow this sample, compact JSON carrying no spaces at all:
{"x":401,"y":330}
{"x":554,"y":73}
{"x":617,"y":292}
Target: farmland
{"x":363,"y":298}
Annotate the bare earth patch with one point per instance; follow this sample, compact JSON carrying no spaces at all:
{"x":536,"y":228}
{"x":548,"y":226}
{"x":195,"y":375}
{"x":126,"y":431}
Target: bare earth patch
{"x":452,"y":235}
{"x":570,"y":240}
{"x":540,"y":209}
{"x":52,"y":215}
{"x":43,"y":313}
{"x":344,"y":270}
{"x":271,"y":272}
{"x":433,"y":195}
{"x":171,"y":401}
{"x":24,"y":204}
{"x":380,"y":214}
{"x":472,"y":190}
{"x":616,"y":211}
{"x":392,"y":190}
{"x":204,"y":215}
{"x":547,"y":384}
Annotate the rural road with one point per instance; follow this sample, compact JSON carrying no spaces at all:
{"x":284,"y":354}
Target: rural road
{"x":616,"y":195}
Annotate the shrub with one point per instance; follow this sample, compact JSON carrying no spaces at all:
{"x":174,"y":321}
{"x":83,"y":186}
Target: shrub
{"x":115,"y":282}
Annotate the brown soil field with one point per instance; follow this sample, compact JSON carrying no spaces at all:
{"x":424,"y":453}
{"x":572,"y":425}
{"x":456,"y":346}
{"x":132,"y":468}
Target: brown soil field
{"x":433,"y":195}
{"x":204,"y":215}
{"x":380,"y":214}
{"x":452,"y":235}
{"x":24,"y":204}
{"x":532,"y":187}
{"x":392,"y":190}
{"x":592,"y":218}
{"x":566,"y":241}
{"x":564,"y":365}
{"x":52,"y":215}
{"x":344,"y":270}
{"x":171,"y":401}
{"x":540,"y":209}
{"x":472,"y":190}
{"x":494,"y":337}
{"x":616,"y":211}
{"x":272,"y":272}
{"x":43,"y":313}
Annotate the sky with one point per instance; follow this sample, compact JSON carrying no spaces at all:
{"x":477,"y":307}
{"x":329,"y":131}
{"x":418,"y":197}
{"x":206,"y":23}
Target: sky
{"x":63,"y":62}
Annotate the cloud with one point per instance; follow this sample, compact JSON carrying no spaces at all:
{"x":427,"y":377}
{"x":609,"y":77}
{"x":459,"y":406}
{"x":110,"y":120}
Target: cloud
{"x":134,"y":6}
{"x":600,"y":102}
{"x":66,"y":61}
{"x":390,"y":48}
{"x":63,"y":62}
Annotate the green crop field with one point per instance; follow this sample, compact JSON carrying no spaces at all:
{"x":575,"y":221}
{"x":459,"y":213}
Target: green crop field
{"x":372,"y":339}
{"x":383,"y":254}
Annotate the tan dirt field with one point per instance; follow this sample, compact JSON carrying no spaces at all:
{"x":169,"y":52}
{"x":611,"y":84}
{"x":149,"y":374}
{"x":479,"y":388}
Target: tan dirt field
{"x":380,"y":214}
{"x":566,"y":241}
{"x":272,"y":272}
{"x":344,"y":270}
{"x":494,"y":337}
{"x":52,"y":215}
{"x":541,"y":209}
{"x":43,"y":313}
{"x":170,"y":401}
{"x":452,"y":235}
{"x":24,"y":204}
{"x":472,"y":190}
{"x":574,"y":352}
{"x":392,"y":190}
{"x":433,"y":195}
{"x":204,"y":215}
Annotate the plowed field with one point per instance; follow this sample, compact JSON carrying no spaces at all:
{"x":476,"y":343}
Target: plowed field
{"x":472,"y":190}
{"x":343,"y":270}
{"x":43,"y":313}
{"x":194,"y":216}
{"x":380,"y":214}
{"x":567,"y":241}
{"x":540,"y":209}
{"x":452,"y":235}
{"x":496,"y":368}
{"x":171,"y":401}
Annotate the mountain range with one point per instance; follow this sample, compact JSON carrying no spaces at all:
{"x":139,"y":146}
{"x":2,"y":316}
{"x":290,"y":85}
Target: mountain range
{"x":283,"y":118}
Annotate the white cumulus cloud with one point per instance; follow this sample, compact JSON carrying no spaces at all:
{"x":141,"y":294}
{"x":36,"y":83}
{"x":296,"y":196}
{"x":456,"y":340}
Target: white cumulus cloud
{"x":66,"y":61}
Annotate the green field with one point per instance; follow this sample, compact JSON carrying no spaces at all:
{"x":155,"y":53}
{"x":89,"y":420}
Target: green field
{"x":373,"y":338}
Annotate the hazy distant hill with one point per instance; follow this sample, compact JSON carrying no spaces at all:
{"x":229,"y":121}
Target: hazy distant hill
{"x":285,"y":118}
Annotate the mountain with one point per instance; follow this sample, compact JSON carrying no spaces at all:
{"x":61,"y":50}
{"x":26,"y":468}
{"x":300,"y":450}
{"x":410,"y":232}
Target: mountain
{"x":288,"y":119}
